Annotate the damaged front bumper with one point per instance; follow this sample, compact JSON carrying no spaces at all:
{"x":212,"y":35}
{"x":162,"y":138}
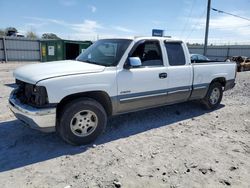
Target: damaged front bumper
{"x":43,"y":119}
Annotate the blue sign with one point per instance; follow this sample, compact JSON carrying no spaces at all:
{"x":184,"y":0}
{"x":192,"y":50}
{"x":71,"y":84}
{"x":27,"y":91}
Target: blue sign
{"x":157,"y":32}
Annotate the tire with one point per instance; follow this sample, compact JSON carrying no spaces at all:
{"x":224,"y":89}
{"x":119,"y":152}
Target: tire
{"x":213,"y":97}
{"x":82,"y":121}
{"x":238,"y":69}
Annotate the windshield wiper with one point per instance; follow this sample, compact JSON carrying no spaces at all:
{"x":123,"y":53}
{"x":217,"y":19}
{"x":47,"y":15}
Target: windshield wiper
{"x":93,"y":62}
{"x":88,"y":61}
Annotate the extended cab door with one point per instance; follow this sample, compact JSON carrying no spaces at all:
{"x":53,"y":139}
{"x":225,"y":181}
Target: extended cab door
{"x":180,"y":73}
{"x":143,"y":86}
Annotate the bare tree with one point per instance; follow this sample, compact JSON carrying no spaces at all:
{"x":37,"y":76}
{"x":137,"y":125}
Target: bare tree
{"x":31,"y":35}
{"x":2,"y":33}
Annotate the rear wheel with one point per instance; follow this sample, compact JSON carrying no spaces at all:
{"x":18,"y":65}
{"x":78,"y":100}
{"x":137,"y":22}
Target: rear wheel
{"x":82,"y":121}
{"x":213,"y":96}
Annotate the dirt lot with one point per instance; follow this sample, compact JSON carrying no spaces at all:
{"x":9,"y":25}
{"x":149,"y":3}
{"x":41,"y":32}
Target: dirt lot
{"x":173,"y":146}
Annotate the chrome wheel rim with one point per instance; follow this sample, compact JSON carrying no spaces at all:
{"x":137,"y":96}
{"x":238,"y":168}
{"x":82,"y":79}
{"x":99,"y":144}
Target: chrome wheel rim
{"x":84,"y":123}
{"x":215,"y":95}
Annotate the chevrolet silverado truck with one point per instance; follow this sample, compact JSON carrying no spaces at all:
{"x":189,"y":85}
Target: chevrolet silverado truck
{"x":111,"y":77}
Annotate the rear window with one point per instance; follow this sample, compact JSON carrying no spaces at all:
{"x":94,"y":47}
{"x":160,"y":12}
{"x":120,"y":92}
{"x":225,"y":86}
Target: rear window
{"x":175,"y":53}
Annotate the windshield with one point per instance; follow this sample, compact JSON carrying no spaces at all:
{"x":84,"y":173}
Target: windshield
{"x":106,"y":52}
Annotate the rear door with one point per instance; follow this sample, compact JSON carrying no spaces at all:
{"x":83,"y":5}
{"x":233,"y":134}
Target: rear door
{"x":180,"y":75}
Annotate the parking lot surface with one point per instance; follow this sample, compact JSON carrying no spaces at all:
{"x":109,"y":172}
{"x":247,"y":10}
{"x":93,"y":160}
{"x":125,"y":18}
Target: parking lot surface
{"x":181,"y":145}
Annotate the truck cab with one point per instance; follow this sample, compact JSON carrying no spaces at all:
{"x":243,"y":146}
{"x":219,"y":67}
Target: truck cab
{"x":164,"y":75}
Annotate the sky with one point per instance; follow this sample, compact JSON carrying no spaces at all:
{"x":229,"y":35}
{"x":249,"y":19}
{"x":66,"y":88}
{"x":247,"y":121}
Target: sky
{"x":93,"y":19}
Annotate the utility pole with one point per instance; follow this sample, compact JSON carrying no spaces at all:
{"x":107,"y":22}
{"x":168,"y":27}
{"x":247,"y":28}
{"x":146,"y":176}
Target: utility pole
{"x":207,"y":27}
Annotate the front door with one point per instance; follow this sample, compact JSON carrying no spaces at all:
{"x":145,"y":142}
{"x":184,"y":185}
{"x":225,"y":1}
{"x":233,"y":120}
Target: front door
{"x":144,"y":86}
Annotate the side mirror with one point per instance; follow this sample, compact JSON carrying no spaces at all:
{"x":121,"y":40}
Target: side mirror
{"x":133,"y":62}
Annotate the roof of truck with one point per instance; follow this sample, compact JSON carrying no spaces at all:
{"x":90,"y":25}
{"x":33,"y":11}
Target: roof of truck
{"x":157,"y":38}
{"x":137,"y":38}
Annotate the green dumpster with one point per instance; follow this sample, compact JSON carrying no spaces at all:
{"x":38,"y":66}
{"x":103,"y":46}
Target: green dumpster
{"x":54,"y":50}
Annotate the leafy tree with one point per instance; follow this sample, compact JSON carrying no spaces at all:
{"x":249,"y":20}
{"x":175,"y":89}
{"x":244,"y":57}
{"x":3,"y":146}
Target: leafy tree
{"x":31,"y":35}
{"x":50,"y":36}
{"x":9,"y":31}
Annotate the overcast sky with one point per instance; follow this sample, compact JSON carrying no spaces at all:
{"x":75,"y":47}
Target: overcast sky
{"x":87,"y":19}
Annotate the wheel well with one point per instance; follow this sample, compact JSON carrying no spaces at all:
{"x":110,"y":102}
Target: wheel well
{"x":100,"y":96}
{"x":221,"y":80}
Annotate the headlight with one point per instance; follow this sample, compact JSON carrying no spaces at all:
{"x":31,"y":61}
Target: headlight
{"x":40,"y":96}
{"x":31,"y":94}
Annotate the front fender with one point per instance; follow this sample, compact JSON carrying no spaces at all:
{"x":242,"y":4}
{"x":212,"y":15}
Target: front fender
{"x":58,"y":88}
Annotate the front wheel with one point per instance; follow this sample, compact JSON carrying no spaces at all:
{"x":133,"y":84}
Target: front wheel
{"x":82,"y":121}
{"x":213,"y":96}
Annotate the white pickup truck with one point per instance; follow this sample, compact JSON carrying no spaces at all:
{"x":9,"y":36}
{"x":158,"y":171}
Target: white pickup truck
{"x":114,"y":76}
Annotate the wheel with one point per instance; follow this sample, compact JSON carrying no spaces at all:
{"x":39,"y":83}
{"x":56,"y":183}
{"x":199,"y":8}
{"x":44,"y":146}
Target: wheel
{"x":82,"y":121}
{"x":213,"y":96}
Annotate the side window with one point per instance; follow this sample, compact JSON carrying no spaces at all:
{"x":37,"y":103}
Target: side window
{"x":150,"y":53}
{"x":175,"y":53}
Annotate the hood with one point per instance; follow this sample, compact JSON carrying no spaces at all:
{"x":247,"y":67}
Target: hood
{"x":36,"y":72}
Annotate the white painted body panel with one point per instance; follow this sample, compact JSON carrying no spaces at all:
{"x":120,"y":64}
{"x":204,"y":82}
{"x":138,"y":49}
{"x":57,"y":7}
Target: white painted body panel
{"x":180,"y":76}
{"x":36,"y":72}
{"x":60,"y":87}
{"x":204,"y":73}
{"x":141,"y":80}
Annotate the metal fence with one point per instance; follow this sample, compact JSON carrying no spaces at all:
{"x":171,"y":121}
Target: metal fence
{"x":19,"y":49}
{"x":222,"y":52}
{"x":23,"y":49}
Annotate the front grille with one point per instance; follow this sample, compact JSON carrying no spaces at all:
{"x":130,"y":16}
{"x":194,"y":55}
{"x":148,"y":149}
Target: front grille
{"x":30,"y":94}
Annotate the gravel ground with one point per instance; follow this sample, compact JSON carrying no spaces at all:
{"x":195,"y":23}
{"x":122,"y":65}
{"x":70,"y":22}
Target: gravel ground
{"x":174,"y":146}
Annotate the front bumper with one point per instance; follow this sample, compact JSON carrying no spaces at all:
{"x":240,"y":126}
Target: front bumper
{"x":41,"y":119}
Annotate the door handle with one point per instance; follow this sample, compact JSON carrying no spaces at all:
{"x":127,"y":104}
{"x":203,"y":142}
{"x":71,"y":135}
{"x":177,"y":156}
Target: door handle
{"x":163,"y":75}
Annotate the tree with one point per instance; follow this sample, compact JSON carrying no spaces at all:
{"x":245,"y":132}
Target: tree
{"x":9,"y":31}
{"x":50,"y":36}
{"x":31,"y":35}
{"x":2,"y":33}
